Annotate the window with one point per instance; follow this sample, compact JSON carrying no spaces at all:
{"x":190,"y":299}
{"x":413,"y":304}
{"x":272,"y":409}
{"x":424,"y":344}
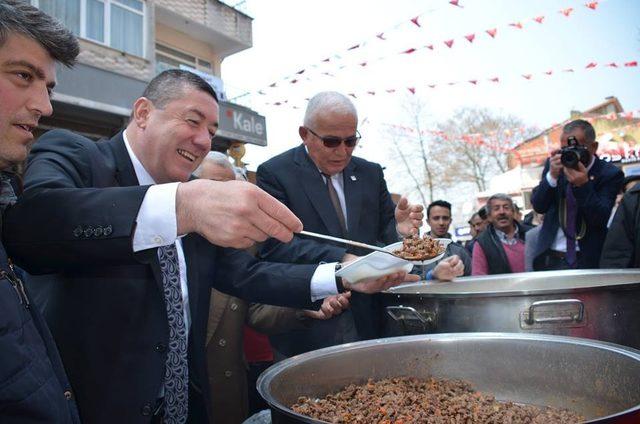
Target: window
{"x":169,"y":58}
{"x":116,"y":23}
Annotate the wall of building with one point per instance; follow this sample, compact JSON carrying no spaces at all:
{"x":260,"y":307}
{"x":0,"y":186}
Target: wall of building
{"x":185,"y":43}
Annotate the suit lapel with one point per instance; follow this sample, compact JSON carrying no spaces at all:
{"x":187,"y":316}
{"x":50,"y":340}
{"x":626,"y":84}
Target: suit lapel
{"x":314,"y":187}
{"x":353,"y":197}
{"x":125,"y":174}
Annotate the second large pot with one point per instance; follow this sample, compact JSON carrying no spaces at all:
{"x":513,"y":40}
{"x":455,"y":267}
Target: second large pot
{"x":594,"y":304}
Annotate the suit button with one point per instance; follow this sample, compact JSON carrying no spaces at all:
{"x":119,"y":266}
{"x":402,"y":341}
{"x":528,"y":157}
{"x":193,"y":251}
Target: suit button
{"x":146,"y":409}
{"x":88,"y":232}
{"x":222,"y":342}
{"x":67,"y":394}
{"x":161,"y":347}
{"x":107,"y":230}
{"x":227,"y":374}
{"x":97,"y":232}
{"x":77,"y":232}
{"x":234,"y":306}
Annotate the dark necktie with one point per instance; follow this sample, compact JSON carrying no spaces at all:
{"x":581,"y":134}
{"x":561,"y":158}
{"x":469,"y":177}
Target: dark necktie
{"x":336,"y":204}
{"x":572,"y":214}
{"x":176,"y":375}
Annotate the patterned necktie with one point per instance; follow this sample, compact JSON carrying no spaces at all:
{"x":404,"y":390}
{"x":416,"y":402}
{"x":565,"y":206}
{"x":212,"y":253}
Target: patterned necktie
{"x":336,"y":204}
{"x":176,"y":375}
{"x":572,"y":214}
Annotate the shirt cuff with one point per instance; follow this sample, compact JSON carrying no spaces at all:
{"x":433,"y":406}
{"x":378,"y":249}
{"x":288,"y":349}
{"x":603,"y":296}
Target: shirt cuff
{"x":553,"y":182}
{"x":323,"y":281}
{"x":429,"y":275}
{"x":156,"y":221}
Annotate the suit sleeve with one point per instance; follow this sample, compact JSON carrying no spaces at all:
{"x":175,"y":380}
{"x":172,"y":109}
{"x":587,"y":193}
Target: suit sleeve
{"x":619,"y":248}
{"x":300,"y":249}
{"x":250,"y":279}
{"x":54,"y":224}
{"x":387,"y":233}
{"x":543,"y":195}
{"x":597,"y":201}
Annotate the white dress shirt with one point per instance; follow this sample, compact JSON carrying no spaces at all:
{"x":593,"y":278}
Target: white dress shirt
{"x":560,"y":242}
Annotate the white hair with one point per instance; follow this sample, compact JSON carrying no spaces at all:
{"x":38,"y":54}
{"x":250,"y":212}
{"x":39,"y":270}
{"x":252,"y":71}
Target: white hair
{"x":331,"y":100}
{"x":217,"y":158}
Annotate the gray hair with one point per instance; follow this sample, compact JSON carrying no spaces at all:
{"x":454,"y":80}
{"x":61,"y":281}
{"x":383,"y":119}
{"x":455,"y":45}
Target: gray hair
{"x":171,"y":84}
{"x":19,"y":17}
{"x":498,"y":196}
{"x":328,"y":100}
{"x":589,"y":131}
{"x":217,"y":158}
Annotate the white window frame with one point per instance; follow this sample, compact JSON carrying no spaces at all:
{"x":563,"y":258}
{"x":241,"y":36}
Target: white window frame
{"x":107,"y":22}
{"x":195,"y":64}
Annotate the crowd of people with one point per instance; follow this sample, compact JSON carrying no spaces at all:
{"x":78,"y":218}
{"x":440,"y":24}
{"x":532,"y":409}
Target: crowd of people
{"x":142,"y":281}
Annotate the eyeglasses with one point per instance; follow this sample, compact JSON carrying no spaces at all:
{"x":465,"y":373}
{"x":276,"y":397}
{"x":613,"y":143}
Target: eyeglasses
{"x":333,"y":142}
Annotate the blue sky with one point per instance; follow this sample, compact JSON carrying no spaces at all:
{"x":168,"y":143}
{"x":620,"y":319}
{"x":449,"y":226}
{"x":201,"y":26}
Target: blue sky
{"x":292,"y":35}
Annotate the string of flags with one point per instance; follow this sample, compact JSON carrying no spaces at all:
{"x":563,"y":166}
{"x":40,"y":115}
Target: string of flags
{"x":415,"y":88}
{"x":415,"y":22}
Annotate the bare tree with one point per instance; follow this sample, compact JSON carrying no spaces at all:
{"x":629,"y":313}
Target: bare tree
{"x":475,"y":144}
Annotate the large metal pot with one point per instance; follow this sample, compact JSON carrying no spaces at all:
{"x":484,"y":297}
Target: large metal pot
{"x":599,"y":380}
{"x":595,"y":304}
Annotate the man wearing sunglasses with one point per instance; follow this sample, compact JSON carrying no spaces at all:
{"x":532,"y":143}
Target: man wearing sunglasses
{"x":337,"y":194}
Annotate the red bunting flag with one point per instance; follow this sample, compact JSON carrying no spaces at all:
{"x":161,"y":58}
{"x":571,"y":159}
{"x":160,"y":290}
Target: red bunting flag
{"x":300,"y":72}
{"x":527,"y":76}
{"x":566,"y":12}
{"x":327,"y":59}
{"x":612,"y":65}
{"x":432,"y":85}
{"x":293,"y":81}
{"x":373,"y":93}
{"x":631,"y":64}
{"x":381,"y":36}
{"x":415,"y":21}
{"x":492,"y":32}
{"x":363,"y":64}
{"x":277,"y":103}
{"x":409,"y":51}
{"x":272,"y":84}
{"x":592,"y":5}
{"x":470,"y":37}
{"x":354,"y":47}
{"x":549,"y":72}
{"x":455,"y":3}
{"x":474,"y":82}
{"x":495,"y":79}
{"x":591,"y":65}
{"x":539,"y":19}
{"x":429,"y":46}
{"x":449,"y":43}
{"x":516,"y":25}
{"x":412,"y":90}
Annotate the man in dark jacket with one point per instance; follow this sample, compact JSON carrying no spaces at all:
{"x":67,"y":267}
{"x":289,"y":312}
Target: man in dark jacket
{"x":576,"y":199}
{"x":622,"y":246}
{"x":33,"y":384}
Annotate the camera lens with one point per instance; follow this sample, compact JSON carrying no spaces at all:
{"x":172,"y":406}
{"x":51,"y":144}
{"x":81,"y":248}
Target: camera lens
{"x":570,"y":158}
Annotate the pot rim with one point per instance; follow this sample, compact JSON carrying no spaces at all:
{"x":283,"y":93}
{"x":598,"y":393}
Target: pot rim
{"x":466,"y":286}
{"x":268,"y":375}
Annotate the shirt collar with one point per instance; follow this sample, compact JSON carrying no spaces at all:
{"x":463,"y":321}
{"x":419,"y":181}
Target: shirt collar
{"x":144,"y":178}
{"x":502,"y":236}
{"x":593,"y":160}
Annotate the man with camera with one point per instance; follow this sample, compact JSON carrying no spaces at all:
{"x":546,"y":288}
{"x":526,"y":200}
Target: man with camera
{"x":576,"y":193}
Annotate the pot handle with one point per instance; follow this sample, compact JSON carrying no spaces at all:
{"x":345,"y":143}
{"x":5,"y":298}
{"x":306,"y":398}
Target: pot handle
{"x":400,"y":313}
{"x":577,"y":317}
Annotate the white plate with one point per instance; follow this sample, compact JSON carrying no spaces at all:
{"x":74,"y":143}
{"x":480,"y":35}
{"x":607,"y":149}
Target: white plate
{"x":443,"y":242}
{"x":376,"y":264}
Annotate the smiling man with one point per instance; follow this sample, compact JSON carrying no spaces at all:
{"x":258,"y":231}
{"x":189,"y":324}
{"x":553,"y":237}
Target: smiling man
{"x":133,"y":246}
{"x":500,"y":247}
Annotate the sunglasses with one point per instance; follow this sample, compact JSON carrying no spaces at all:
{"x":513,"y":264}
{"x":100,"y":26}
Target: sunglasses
{"x":333,"y":142}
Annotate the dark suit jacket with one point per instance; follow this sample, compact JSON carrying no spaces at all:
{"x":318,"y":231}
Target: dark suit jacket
{"x":76,"y":219}
{"x":294,"y":179}
{"x":595,"y":200}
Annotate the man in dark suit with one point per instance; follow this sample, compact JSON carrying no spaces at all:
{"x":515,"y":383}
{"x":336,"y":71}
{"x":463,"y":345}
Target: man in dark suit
{"x":33,"y":385}
{"x":336,"y":194}
{"x":134,"y":246}
{"x":576,"y":199}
